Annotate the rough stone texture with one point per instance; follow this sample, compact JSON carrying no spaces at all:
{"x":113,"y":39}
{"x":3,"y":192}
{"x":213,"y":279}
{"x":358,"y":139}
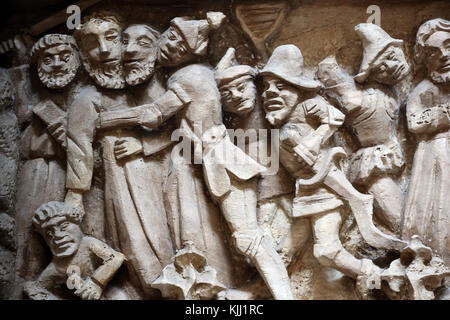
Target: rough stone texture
{"x":363,"y":118}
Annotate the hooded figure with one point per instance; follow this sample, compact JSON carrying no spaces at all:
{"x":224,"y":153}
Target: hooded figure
{"x":375,"y":41}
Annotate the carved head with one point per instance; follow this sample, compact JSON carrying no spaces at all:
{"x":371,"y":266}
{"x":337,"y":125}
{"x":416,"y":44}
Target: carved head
{"x":187,"y":39}
{"x":100,"y":43}
{"x":236,"y":84}
{"x":284,"y":80}
{"x":140,"y":51}
{"x":6,"y":90}
{"x":60,"y":227}
{"x":433,"y":48}
{"x":383,"y":58}
{"x":279,"y":100}
{"x":57,"y":60}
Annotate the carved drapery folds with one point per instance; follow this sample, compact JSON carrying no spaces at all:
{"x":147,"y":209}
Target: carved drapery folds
{"x":135,"y":164}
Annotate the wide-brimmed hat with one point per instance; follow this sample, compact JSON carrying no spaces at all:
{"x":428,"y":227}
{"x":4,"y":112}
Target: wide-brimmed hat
{"x":228,"y":69}
{"x":375,"y":41}
{"x":286,"y":62}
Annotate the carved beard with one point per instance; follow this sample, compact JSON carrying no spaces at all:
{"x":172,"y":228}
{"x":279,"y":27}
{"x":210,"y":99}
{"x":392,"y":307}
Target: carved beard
{"x":438,"y":77}
{"x":107,"y":76}
{"x":53,"y":81}
{"x":138,"y":72}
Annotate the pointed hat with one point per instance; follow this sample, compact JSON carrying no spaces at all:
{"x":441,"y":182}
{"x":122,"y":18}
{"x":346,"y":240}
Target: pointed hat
{"x":228,"y":69}
{"x":196,"y":32}
{"x":286,"y":62}
{"x":375,"y":41}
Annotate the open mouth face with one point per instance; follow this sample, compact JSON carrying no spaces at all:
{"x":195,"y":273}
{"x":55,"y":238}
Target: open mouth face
{"x":279,"y":100}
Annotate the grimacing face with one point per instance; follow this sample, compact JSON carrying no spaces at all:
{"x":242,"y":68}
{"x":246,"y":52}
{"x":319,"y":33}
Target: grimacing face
{"x":390,"y":67}
{"x":173,"y":49}
{"x":139,"y":50}
{"x":58,"y":65}
{"x":239,"y":95}
{"x":62,"y":236}
{"x":279,"y":100}
{"x":437,"y":56}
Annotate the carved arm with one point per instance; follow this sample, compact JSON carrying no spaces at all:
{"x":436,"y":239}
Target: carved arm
{"x":148,"y":115}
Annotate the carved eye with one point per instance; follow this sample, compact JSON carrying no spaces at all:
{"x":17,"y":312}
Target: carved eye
{"x":66,"y":57}
{"x":47,"y":61}
{"x":64,"y":226}
{"x":241,"y":87}
{"x":111,"y":36}
{"x":125,"y":41}
{"x":280,"y":86}
{"x":172,"y":36}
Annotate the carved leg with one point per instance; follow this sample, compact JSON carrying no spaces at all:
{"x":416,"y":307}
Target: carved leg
{"x":389,"y":198}
{"x":239,"y":209}
{"x":328,"y":248}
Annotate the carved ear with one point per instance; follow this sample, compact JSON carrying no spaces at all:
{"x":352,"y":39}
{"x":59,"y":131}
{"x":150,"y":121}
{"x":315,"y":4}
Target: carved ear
{"x":228,"y":60}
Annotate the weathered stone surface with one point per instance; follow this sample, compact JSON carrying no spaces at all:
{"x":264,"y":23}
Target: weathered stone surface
{"x":226,"y":150}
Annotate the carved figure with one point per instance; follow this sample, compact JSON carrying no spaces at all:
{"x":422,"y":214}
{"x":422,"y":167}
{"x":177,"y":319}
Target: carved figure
{"x":135,"y":219}
{"x":82,"y":262}
{"x":236,"y":194}
{"x":371,"y":114}
{"x":43,"y":143}
{"x":306,"y":123}
{"x":186,"y":199}
{"x":427,"y":204}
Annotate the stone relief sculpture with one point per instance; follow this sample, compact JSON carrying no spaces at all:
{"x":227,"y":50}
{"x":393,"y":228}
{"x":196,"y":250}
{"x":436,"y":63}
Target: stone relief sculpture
{"x":9,"y":156}
{"x":75,"y":256}
{"x":373,"y":107}
{"x":188,"y":209}
{"x":304,"y":150}
{"x":427,"y":206}
{"x":43,"y":143}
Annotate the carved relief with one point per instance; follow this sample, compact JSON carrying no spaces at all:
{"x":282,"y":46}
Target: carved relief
{"x":131,"y":152}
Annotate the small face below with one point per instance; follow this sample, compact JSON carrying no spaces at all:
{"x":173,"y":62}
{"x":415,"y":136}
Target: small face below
{"x":390,"y":67}
{"x":58,"y":65}
{"x":437,"y":56}
{"x":239,"y":96}
{"x":62,"y":236}
{"x":102,"y":42}
{"x":139,"y":54}
{"x":173,"y":49}
{"x":279,"y":100}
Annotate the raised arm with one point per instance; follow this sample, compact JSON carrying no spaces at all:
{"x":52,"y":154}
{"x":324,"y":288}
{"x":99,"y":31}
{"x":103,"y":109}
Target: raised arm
{"x":93,"y":287}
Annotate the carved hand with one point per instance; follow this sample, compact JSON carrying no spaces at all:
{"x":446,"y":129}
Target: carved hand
{"x":126,"y":147}
{"x":89,"y":290}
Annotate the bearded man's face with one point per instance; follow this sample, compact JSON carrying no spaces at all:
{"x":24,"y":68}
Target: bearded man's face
{"x":139,"y":54}
{"x":58,"y":65}
{"x":101,"y":49}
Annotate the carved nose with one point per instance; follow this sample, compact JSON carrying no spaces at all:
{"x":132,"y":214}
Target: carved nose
{"x":57,"y":64}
